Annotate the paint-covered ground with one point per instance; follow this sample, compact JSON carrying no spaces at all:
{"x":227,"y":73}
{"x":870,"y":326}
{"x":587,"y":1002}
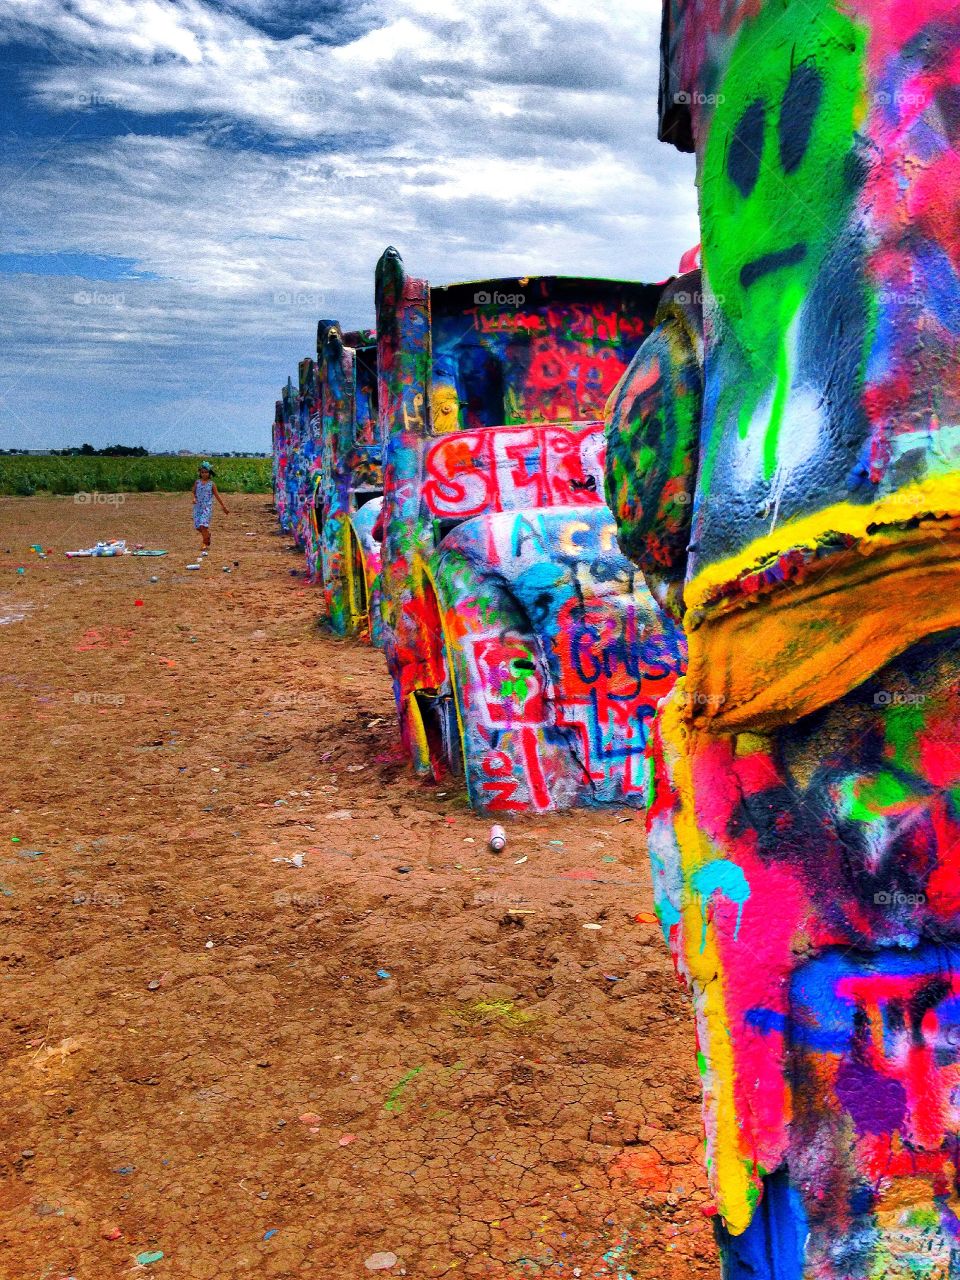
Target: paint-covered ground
{"x":406,"y":1046}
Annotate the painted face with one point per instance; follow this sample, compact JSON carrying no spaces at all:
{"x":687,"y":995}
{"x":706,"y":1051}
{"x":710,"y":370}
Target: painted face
{"x":778,"y":179}
{"x":444,"y":409}
{"x":445,"y":394}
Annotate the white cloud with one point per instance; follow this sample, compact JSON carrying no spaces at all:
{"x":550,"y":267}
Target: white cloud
{"x":479,"y":143}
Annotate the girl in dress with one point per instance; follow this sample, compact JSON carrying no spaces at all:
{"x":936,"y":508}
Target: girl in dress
{"x":204,"y":492}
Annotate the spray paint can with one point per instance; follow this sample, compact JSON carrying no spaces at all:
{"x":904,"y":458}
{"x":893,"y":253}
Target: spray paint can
{"x":498,"y":839}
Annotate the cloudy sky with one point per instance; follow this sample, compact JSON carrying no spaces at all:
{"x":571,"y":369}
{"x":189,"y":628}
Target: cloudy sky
{"x":186,"y":186}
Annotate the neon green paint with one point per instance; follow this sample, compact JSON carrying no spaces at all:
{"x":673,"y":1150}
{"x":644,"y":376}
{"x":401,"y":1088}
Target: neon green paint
{"x":646,"y":458}
{"x":870,"y":799}
{"x":393,"y":1102}
{"x":765,"y":241}
{"x":904,"y":724}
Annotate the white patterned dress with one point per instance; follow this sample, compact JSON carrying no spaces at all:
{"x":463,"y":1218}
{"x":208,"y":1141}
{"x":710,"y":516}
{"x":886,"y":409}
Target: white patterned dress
{"x":202,"y":504}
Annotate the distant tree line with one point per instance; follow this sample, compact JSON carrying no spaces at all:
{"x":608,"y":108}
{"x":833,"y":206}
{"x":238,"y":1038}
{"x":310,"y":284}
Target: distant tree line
{"x":111,"y":451}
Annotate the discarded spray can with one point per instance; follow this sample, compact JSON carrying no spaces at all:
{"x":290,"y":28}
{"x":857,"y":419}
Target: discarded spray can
{"x":498,"y":839}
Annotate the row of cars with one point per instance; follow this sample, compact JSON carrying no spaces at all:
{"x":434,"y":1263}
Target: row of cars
{"x":444,"y":476}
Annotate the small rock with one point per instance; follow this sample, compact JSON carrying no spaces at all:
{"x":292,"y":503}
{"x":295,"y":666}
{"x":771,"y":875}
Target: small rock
{"x":28,"y":1154}
{"x":380,"y":1261}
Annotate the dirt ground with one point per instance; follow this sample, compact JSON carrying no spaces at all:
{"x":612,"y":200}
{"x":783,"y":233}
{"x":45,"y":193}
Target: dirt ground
{"x":404,"y":1046}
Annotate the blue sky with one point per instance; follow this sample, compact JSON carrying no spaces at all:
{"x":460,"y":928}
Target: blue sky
{"x":187,"y":186}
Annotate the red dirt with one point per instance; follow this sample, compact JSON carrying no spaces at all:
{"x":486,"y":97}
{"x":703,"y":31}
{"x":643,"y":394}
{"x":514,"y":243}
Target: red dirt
{"x":197,"y":1047}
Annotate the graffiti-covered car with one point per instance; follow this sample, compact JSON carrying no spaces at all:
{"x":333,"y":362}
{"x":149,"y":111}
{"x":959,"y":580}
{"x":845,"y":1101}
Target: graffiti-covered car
{"x":296,"y":437}
{"x":524,"y":648}
{"x":279,"y":455}
{"x":805,"y":830}
{"x":286,"y":443}
{"x":344,"y":502}
{"x":306,"y":461}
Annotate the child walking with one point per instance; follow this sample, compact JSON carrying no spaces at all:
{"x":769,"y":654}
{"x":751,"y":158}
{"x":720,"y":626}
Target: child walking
{"x":204,"y":492}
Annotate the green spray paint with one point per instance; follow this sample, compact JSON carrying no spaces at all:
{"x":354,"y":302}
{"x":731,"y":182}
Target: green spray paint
{"x":394,"y":1101}
{"x":777,"y":181}
{"x":904,"y":725}
{"x":870,"y":799}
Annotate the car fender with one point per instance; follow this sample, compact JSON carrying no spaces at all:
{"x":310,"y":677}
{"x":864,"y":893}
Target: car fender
{"x":558,"y":657}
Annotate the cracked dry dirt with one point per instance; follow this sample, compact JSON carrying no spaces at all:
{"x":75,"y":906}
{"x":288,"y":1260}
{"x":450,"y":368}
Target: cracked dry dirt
{"x":203,"y":1055}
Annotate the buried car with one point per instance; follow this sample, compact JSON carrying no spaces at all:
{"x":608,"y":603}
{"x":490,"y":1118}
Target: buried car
{"x":295,"y":435}
{"x":307,"y":462}
{"x":805,"y":830}
{"x":344,"y":500}
{"x":285,"y":447}
{"x":525,"y":650}
{"x":279,"y":456}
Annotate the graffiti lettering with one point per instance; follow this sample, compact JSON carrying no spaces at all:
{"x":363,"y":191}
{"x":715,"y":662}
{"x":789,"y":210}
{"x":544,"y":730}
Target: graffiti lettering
{"x":509,"y":470}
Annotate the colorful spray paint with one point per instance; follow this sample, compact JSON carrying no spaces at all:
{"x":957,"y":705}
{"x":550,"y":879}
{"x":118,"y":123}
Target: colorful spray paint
{"x":789,"y":475}
{"x":286,"y":436}
{"x":328,"y":475}
{"x":556,"y":656}
{"x":524,"y":648}
{"x":279,"y":448}
{"x":306,"y":462}
{"x":296,"y":444}
{"x":345,"y":500}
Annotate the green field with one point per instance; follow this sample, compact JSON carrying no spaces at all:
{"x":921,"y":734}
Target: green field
{"x":24,"y":475}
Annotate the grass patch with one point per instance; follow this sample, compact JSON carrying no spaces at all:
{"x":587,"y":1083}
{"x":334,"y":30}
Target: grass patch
{"x":23,"y":475}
